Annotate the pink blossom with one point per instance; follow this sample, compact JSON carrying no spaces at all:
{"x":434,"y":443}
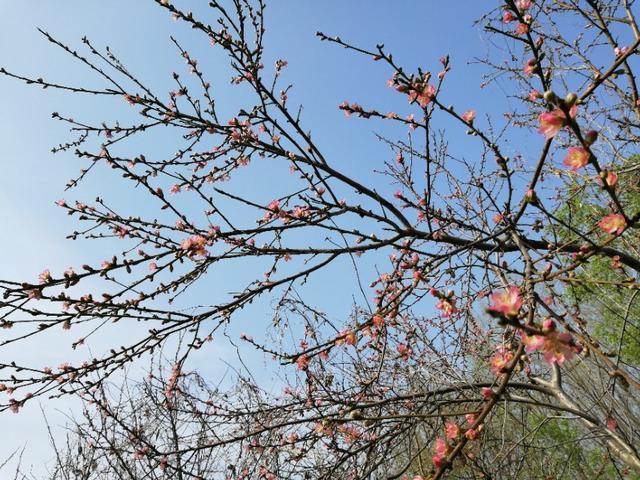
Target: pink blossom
{"x":620,"y":51}
{"x":613,"y":223}
{"x":45,"y":276}
{"x":300,"y":212}
{"x":524,"y":5}
{"x":577,"y":157}
{"x":441,"y":447}
{"x":438,"y":461}
{"x":132,"y":100}
{"x":303,"y":362}
{"x":65,"y":367}
{"x":447,"y":306}
{"x":548,"y":325}
{"x":141,"y":453}
{"x":194,"y":245}
{"x":556,"y":347}
{"x":347,"y":337}
{"x":486,"y":392}
{"x":378,"y":321}
{"x":14,"y":405}
{"x":552,"y":122}
{"x":405,"y":351}
{"x":508,"y":17}
{"x":615,"y":262}
{"x":245,"y":337}
{"x":522,"y":29}
{"x":346,"y":108}
{"x":452,"y":430}
{"x":529,"y":67}
{"x":34,"y":293}
{"x":534,"y":95}
{"x":500,"y":360}
{"x":273,"y":210}
{"x":611,"y":179}
{"x":507,"y":302}
{"x":469,"y":116}
{"x":424,"y":95}
{"x":471,"y":434}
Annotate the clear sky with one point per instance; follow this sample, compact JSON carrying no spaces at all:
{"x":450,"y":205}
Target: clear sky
{"x":418,"y":32}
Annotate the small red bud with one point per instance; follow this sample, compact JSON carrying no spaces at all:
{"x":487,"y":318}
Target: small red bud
{"x":590,"y":137}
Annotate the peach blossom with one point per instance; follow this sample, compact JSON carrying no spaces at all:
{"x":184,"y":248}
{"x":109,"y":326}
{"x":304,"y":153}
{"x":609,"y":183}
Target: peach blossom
{"x":552,"y":122}
{"x":469,"y":116}
{"x":577,"y":157}
{"x":613,"y":223}
{"x":556,"y":347}
{"x":507,"y":302}
{"x":500,"y":360}
{"x":452,"y":430}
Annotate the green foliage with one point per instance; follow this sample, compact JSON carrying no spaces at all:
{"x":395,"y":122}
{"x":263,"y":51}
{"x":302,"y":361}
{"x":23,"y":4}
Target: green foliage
{"x":567,"y":450}
{"x":607,"y":295}
{"x":556,"y":447}
{"x":521,"y":443}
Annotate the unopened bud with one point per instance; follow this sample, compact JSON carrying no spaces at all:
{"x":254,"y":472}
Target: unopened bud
{"x":531,"y":196}
{"x":550,"y":96}
{"x":570,"y":99}
{"x":355,"y":414}
{"x":590,"y":137}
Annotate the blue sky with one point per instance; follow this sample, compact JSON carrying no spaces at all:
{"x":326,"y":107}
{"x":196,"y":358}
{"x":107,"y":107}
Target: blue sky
{"x":418,"y":33}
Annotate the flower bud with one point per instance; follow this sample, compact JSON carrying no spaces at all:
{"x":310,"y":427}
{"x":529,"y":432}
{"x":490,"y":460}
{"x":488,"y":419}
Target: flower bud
{"x":548,"y":325}
{"x":486,"y":392}
{"x":570,"y":99}
{"x":550,"y":96}
{"x":531,"y":196}
{"x":590,"y":137}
